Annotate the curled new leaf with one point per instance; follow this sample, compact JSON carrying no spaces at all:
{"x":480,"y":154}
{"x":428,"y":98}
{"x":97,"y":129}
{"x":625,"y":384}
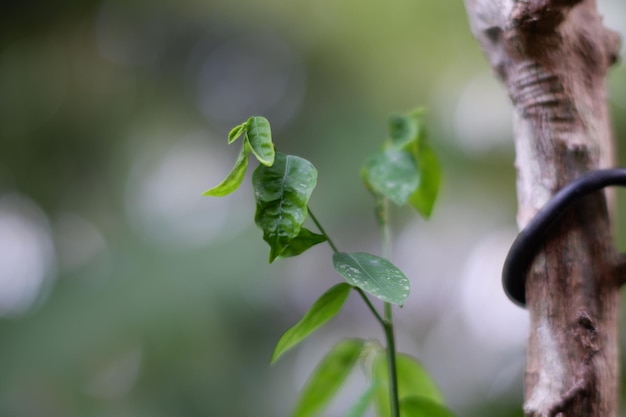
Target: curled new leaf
{"x":392,"y":174}
{"x":282,"y":193}
{"x":234,"y":178}
{"x":374,"y":275}
{"x":259,"y":137}
{"x":235,"y":132}
{"x":325,"y":308}
{"x":424,"y":197}
{"x":328,"y":377}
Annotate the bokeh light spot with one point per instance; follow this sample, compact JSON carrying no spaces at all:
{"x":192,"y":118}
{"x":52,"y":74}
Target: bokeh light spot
{"x":26,"y":254}
{"x":483,"y":117}
{"x":163,"y":198}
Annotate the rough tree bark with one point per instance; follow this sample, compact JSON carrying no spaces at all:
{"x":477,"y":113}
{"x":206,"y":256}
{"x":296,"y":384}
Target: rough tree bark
{"x":553,"y":56}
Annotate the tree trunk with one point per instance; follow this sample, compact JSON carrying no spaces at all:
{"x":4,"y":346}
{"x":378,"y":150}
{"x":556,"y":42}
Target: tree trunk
{"x":553,"y":56}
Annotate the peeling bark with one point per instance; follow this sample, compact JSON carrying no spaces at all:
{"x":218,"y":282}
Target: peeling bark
{"x":552,"y":57}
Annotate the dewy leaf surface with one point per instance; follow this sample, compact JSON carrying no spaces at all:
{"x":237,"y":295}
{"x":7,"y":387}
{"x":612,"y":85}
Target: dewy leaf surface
{"x":328,"y":377}
{"x":374,"y":275}
{"x":234,"y":178}
{"x":392,"y":174}
{"x":325,"y":308}
{"x":413,"y":380}
{"x":305,"y":240}
{"x":259,"y":137}
{"x":282,"y":193}
{"x":424,"y":197}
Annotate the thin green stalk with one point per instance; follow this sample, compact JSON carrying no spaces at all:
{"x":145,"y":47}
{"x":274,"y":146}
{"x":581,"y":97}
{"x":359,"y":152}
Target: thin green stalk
{"x":387,"y":321}
{"x":394,"y":399}
{"x":321,"y":229}
{"x":385,"y":230}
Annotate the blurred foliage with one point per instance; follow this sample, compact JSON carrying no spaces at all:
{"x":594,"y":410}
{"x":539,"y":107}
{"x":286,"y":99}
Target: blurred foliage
{"x":113,"y":116}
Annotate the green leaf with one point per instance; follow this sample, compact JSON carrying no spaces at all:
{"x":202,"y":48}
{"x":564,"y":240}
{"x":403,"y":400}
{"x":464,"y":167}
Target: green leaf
{"x":423,"y":407}
{"x":413,"y":380}
{"x":362,"y":403}
{"x":392,"y":174}
{"x":282,"y":193}
{"x":305,"y":240}
{"x":235,"y":132}
{"x":328,"y":377}
{"x":259,"y":137}
{"x":403,"y":130}
{"x":374,"y":275}
{"x":424,"y":197}
{"x":325,"y":308}
{"x":234,"y":178}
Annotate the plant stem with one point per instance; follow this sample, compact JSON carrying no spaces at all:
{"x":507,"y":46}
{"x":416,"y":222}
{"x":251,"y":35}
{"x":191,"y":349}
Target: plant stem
{"x":394,"y":400}
{"x":371,"y":307}
{"x":321,"y":229}
{"x":385,"y":230}
{"x":387,"y":321}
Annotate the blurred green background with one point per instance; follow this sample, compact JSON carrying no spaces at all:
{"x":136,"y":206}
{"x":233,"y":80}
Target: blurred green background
{"x":125,"y":293}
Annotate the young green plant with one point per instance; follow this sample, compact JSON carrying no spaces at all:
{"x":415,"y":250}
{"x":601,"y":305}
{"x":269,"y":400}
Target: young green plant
{"x":405,"y":171}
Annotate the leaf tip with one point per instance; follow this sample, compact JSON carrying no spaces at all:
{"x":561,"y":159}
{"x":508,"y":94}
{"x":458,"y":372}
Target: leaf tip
{"x":213,"y":192}
{"x":273,"y":255}
{"x":275,"y":356}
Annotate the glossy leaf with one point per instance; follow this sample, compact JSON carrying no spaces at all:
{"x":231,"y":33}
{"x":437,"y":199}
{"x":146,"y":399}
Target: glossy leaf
{"x":328,"y":377}
{"x":361,"y":405}
{"x":374,"y":275}
{"x":325,"y":308}
{"x":282,"y":193}
{"x":423,"y":407}
{"x":235,"y":132}
{"x":234,"y":178}
{"x":392,"y":174}
{"x":424,"y":197}
{"x":413,"y":380}
{"x":305,"y":240}
{"x":259,"y":137}
{"x":403,"y":130}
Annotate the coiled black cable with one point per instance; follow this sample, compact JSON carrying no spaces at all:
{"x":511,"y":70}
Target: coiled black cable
{"x":524,"y":248}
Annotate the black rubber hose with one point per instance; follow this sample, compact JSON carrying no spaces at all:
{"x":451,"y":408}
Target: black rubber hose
{"x":524,"y":248}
